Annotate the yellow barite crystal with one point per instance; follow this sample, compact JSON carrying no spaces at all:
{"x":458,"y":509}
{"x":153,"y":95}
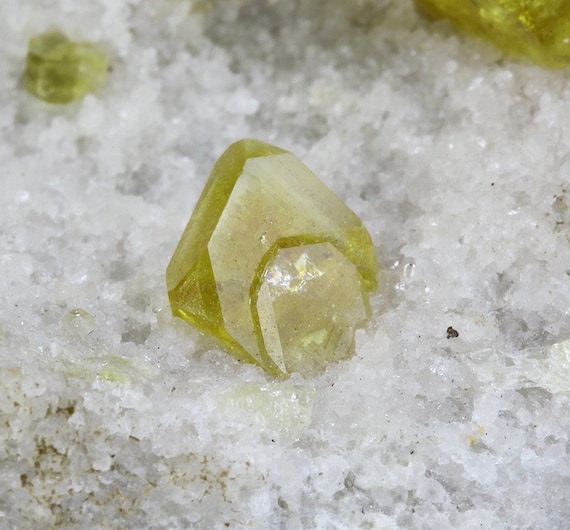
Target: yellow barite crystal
{"x":538,"y":29}
{"x":273,"y":263}
{"x":61,"y":71}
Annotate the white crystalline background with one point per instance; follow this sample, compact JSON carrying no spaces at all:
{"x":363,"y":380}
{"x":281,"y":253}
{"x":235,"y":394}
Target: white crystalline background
{"x":115,"y":415}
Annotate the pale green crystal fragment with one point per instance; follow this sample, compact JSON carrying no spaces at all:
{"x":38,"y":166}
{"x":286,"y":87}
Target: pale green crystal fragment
{"x":110,"y":367}
{"x":61,"y":71}
{"x":279,"y":404}
{"x":202,"y":6}
{"x":78,"y":323}
{"x":263,"y":214}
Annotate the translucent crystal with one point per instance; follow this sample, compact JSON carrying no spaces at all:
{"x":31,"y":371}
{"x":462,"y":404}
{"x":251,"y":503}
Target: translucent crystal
{"x":273,"y":263}
{"x":60,"y":71}
{"x":279,"y":404}
{"x":78,"y":323}
{"x":308,"y":304}
{"x":538,"y":29}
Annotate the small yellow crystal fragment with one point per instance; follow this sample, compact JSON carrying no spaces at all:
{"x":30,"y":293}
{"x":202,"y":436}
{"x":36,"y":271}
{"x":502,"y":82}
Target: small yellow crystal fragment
{"x":202,"y":6}
{"x":78,"y":323}
{"x":273,"y":263}
{"x":61,"y":71}
{"x":538,"y":29}
{"x":279,"y":404}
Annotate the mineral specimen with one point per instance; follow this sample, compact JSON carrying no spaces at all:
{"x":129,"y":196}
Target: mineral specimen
{"x":273,"y":263}
{"x":61,"y":71}
{"x":538,"y":29}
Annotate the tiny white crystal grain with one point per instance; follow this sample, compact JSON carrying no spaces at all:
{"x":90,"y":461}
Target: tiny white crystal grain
{"x":556,"y":377}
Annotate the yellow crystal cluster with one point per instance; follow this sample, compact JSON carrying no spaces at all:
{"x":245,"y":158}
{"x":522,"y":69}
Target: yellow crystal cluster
{"x":538,"y":29}
{"x":61,"y":71}
{"x":273,"y":263}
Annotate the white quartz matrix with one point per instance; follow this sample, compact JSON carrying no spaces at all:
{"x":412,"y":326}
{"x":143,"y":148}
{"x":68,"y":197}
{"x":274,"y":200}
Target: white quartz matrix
{"x":115,"y":415}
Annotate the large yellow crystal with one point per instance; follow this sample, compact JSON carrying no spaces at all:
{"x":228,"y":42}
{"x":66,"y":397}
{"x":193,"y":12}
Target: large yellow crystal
{"x":538,"y":29}
{"x":273,"y":263}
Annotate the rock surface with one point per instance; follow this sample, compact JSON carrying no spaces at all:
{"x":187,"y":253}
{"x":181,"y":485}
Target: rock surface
{"x":456,"y":159}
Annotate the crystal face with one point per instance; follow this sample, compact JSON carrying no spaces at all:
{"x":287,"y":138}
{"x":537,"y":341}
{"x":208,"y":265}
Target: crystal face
{"x":61,"y":71}
{"x":273,"y":263}
{"x":538,"y":29}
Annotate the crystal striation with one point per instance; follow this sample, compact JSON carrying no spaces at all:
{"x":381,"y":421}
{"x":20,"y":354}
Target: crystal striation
{"x":538,"y":29}
{"x":273,"y":263}
{"x":61,"y":71}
